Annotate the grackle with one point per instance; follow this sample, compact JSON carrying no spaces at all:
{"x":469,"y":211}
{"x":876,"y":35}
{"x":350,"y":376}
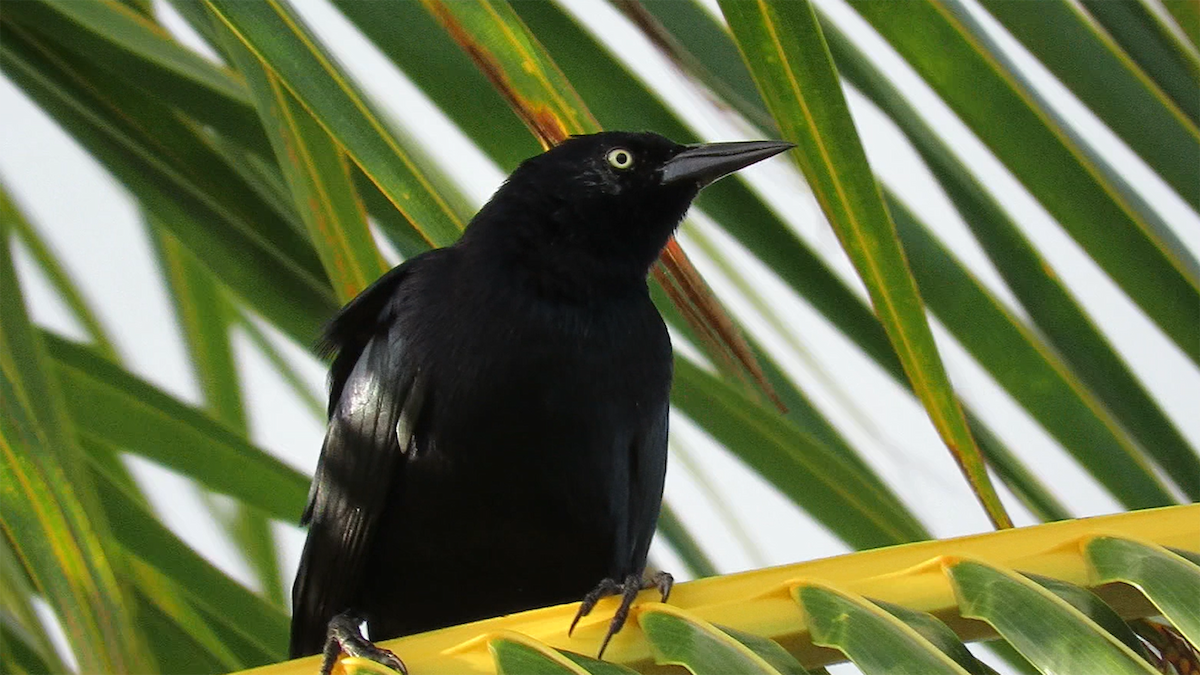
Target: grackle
{"x":497,"y":435}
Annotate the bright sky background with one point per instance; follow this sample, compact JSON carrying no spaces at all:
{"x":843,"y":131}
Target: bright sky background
{"x":93,"y":225}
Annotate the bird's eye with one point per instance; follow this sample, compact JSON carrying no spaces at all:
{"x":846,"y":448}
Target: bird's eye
{"x":620,"y":158}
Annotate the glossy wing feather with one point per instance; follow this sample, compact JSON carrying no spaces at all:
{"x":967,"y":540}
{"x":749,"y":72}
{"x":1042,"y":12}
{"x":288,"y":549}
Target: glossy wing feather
{"x":374,"y":390}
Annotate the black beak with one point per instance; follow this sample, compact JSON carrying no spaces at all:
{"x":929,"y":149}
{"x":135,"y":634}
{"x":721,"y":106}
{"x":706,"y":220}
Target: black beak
{"x":707,"y":162}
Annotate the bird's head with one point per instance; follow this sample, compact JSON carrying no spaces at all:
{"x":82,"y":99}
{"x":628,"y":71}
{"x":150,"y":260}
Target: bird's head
{"x":608,"y":200}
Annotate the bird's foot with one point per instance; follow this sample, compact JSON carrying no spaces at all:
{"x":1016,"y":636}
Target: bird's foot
{"x":344,"y":636}
{"x":628,"y":590}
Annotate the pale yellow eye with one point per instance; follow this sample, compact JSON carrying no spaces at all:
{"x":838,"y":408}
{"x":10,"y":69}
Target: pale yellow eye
{"x":620,"y":158}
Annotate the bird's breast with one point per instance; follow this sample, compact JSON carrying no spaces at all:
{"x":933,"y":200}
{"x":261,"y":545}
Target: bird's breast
{"x":520,"y":481}
{"x":544,"y":395}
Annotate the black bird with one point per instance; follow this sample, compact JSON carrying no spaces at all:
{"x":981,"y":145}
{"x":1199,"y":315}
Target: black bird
{"x":497,"y":435}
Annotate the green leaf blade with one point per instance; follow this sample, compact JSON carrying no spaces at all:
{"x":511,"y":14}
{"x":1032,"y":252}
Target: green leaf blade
{"x":259,"y":623}
{"x":287,"y":48}
{"x":790,"y":61}
{"x":320,"y":179}
{"x":47,"y":503}
{"x":1148,"y":42}
{"x":11,"y":219}
{"x":275,"y":279}
{"x":795,"y":462}
{"x":1028,"y":370}
{"x":679,"y":639}
{"x":875,"y":641}
{"x":519,"y":656}
{"x":142,"y":52}
{"x":1095,"y":68}
{"x":1022,"y":612}
{"x":112,"y":405}
{"x":1170,"y":581}
{"x":1044,"y":160}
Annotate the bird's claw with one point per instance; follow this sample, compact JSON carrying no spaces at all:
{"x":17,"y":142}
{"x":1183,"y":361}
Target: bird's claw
{"x":663,"y":581}
{"x":343,"y":636}
{"x":605,"y":588}
{"x":628,"y":589}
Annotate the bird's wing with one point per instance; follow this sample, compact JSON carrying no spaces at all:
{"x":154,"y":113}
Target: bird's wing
{"x":648,"y":469}
{"x":360,"y":321}
{"x":376,"y":397}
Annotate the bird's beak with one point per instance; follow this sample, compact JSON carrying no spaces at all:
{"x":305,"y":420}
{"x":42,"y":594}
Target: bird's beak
{"x":707,"y":162}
